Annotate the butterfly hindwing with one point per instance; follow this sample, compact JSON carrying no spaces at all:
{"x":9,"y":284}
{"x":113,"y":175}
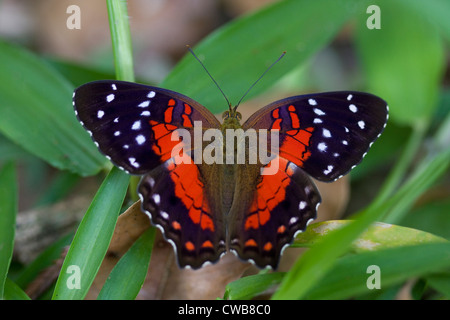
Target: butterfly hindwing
{"x":132,"y":124}
{"x":175,"y":198}
{"x":266,"y":217}
{"x":325,"y":134}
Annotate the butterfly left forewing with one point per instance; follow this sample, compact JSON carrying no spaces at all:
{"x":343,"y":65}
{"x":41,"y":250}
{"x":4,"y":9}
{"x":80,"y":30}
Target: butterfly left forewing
{"x":137,"y":127}
{"x":132,"y":124}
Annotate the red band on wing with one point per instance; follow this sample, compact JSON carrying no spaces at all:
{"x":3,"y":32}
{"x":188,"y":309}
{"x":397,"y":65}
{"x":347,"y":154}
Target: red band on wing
{"x":190,"y":190}
{"x":269,"y":193}
{"x":276,"y":125}
{"x":186,"y":116}
{"x":294,"y":117}
{"x":163,"y":136}
{"x":295,"y":145}
{"x":171,"y":103}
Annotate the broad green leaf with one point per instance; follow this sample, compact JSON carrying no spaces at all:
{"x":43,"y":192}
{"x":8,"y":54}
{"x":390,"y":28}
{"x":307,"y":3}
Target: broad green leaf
{"x":250,"y":286}
{"x":350,"y":274}
{"x":238,"y":53}
{"x":36,"y":113}
{"x":92,"y":238}
{"x":8,"y":211}
{"x":404,"y":61}
{"x":127,"y":277}
{"x":14,"y":292}
{"x":378,"y":236}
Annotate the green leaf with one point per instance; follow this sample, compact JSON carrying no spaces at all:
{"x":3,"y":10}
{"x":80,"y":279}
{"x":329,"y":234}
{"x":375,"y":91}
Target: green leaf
{"x":8,"y":212}
{"x":238,"y":53}
{"x":92,"y":238}
{"x":127,"y":277}
{"x":121,"y":39}
{"x":14,"y":292}
{"x":349,"y":275}
{"x":378,"y":236}
{"x":404,"y":61}
{"x":36,"y":113}
{"x":250,"y":286}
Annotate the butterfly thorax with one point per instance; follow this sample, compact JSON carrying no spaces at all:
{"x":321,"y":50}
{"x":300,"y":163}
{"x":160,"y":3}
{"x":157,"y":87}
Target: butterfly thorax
{"x":231,"y":120}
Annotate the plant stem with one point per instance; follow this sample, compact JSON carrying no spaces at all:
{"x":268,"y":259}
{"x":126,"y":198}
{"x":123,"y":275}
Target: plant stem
{"x":121,"y":39}
{"x":123,"y":54}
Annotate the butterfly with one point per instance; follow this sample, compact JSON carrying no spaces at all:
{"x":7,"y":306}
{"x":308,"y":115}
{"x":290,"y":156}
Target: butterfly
{"x":206,"y":209}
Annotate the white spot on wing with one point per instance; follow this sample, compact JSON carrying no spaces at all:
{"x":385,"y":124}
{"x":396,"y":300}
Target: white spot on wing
{"x":353,"y":108}
{"x":133,"y":162}
{"x":319,"y":112}
{"x":317,"y":120}
{"x":322,"y":146}
{"x":140,"y":139}
{"x":302,"y":205}
{"x":312,"y":102}
{"x":349,"y":97}
{"x":100,"y":114}
{"x":293,"y":220}
{"x":157,"y":198}
{"x":361,"y":124}
{"x":144,"y":104}
{"x":136,"y":125}
{"x":328,"y":170}
{"x":110,"y":97}
{"x":164,"y":215}
{"x":113,"y":86}
{"x":326,"y":133}
{"x":151,"y":94}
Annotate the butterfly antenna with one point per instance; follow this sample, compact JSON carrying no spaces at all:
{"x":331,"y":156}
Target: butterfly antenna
{"x":191,"y":51}
{"x":251,"y":87}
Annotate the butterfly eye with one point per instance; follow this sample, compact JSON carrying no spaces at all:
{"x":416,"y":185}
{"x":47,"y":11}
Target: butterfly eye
{"x":238,"y":116}
{"x":226,"y":115}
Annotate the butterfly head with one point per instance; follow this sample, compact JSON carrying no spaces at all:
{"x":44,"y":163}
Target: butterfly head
{"x":232,"y":113}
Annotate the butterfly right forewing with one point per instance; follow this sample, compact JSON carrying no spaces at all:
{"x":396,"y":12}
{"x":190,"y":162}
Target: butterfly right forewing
{"x":326,"y":134}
